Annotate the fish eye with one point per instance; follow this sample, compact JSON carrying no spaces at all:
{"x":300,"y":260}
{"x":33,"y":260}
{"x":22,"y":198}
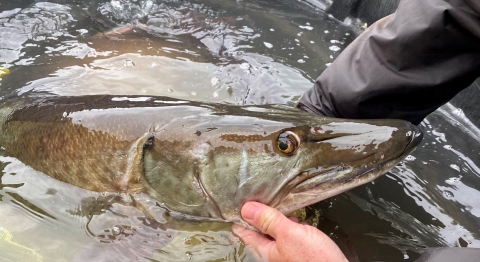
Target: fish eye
{"x":288,"y":142}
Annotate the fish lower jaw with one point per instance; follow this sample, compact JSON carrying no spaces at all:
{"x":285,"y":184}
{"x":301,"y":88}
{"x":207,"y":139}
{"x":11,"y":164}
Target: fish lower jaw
{"x":318,"y":178}
{"x":316,"y":192}
{"x":295,"y":201}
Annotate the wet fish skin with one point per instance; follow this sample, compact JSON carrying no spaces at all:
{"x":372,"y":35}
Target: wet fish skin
{"x":203,"y":160}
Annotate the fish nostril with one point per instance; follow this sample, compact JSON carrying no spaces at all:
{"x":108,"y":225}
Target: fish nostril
{"x":416,"y":137}
{"x":418,"y":134}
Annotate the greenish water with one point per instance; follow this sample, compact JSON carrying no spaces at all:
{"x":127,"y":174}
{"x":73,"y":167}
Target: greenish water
{"x":239,"y":52}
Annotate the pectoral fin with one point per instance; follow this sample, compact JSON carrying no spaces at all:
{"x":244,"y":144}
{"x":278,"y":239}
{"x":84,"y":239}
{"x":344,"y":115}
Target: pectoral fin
{"x":131,"y":180}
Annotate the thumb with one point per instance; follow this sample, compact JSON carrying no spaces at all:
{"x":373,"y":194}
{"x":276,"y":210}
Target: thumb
{"x":259,"y":244}
{"x":266,"y":219}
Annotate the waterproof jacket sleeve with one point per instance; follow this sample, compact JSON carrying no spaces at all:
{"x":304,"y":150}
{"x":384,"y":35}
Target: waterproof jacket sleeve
{"x":405,"y":65}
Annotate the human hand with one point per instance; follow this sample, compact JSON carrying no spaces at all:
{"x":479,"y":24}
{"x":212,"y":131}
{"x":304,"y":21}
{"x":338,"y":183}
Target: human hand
{"x":291,"y":241}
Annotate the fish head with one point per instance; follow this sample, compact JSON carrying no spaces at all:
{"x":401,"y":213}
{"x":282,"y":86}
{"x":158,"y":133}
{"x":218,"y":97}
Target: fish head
{"x":339,"y":155}
{"x":286,"y":159}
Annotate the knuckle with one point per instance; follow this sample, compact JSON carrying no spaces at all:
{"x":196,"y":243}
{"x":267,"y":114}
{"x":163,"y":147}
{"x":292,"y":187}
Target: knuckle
{"x":268,"y":221}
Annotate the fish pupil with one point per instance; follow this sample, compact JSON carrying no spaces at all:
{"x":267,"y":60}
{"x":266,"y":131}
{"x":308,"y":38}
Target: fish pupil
{"x":283,"y":146}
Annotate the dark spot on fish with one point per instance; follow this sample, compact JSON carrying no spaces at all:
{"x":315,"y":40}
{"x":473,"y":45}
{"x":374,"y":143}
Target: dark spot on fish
{"x":241,"y":138}
{"x":198,"y":133}
{"x":11,"y":185}
{"x":51,"y":191}
{"x":265,"y":147}
{"x":462,"y":242}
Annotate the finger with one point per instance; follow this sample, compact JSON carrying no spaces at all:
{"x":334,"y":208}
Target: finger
{"x":294,"y":219}
{"x":250,"y":237}
{"x":266,"y":219}
{"x":256,"y":242}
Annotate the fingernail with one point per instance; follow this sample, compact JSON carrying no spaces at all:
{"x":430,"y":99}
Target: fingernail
{"x":251,"y":210}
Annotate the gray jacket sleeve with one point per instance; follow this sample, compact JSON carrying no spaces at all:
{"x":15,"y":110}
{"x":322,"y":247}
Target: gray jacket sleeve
{"x":405,"y":65}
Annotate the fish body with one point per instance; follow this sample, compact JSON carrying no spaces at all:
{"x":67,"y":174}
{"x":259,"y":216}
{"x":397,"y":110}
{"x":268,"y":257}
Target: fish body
{"x":203,"y":160}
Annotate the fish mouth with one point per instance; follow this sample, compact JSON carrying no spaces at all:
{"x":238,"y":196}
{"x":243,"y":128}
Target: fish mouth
{"x":316,"y":184}
{"x":316,"y":178}
{"x":330,"y":176}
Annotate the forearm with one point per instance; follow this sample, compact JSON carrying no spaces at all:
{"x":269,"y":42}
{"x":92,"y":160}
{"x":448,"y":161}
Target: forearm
{"x":405,"y":65}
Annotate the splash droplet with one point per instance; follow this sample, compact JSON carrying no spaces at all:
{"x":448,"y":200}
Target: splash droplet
{"x":307,"y":27}
{"x":448,"y":194}
{"x":453,"y":180}
{"x":455,"y":167}
{"x":128,"y":63}
{"x":214,"y":81}
{"x":410,"y":158}
{"x":334,"y":48}
{"x":245,"y":66}
{"x":268,"y":45}
{"x":116,"y":230}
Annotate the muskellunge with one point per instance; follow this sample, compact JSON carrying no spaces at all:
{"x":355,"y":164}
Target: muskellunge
{"x":202,"y":160}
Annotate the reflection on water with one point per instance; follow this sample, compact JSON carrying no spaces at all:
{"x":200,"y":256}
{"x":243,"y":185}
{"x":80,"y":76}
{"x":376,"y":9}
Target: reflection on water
{"x":234,"y":52}
{"x":62,"y":222}
{"x":239,"y":52}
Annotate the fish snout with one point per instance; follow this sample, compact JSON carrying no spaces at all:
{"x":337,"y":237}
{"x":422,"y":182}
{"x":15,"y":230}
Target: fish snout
{"x":403,"y":141}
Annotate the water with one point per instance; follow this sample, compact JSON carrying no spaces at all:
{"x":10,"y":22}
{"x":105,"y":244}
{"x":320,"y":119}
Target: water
{"x":238,"y":52}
